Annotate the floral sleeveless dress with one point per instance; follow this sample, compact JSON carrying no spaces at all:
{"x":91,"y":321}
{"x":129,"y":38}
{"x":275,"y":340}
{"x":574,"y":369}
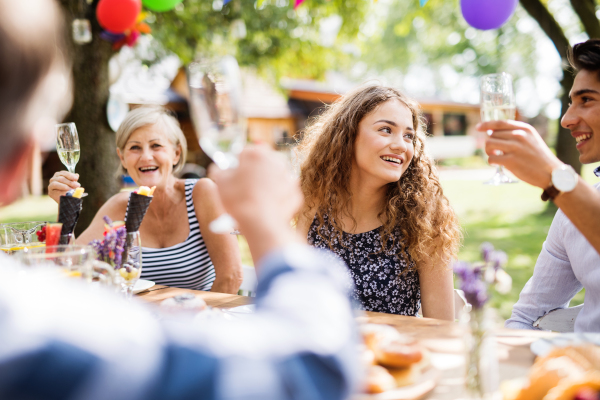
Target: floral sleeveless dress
{"x":383,"y":281}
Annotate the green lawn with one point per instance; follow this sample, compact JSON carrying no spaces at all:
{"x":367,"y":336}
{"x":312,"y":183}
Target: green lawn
{"x":511,"y":217}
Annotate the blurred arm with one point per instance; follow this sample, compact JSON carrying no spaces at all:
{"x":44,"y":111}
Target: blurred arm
{"x":437,"y":291}
{"x":552,"y":285}
{"x":98,"y":347}
{"x":223,"y":249}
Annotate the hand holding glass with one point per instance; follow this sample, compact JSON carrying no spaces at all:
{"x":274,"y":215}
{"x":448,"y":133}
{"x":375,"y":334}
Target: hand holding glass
{"x":215,"y":87}
{"x":497,"y":104}
{"x":67,"y":145}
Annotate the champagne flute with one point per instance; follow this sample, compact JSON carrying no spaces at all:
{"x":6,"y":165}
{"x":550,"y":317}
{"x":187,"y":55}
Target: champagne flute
{"x":215,"y":87}
{"x":497,"y":104}
{"x":67,"y":145}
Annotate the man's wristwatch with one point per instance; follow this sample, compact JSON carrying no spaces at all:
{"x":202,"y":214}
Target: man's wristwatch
{"x":564,"y":179}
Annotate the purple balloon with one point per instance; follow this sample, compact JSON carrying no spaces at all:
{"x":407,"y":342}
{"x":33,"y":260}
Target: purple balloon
{"x":487,"y":14}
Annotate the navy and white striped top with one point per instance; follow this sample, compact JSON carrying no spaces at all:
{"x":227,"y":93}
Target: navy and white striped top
{"x":187,"y":264}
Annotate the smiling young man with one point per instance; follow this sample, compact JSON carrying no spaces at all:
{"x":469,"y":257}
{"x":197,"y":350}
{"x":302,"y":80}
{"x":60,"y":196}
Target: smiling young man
{"x":569,"y":259}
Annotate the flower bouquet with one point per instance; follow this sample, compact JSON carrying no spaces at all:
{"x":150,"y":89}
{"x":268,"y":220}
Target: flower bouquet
{"x":475,"y":279}
{"x":113,"y":250}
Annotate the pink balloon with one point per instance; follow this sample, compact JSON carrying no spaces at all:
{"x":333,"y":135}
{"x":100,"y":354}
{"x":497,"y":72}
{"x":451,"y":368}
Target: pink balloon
{"x":487,"y":14}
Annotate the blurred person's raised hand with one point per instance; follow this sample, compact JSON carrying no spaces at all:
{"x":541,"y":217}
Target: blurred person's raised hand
{"x":519,"y":147}
{"x":61,"y":183}
{"x":262,"y":195}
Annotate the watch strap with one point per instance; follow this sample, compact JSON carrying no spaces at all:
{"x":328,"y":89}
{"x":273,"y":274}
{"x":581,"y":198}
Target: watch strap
{"x":550,"y":193}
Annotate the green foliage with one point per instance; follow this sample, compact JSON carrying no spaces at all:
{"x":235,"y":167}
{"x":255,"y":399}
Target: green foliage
{"x":278,"y":38}
{"x":403,"y":34}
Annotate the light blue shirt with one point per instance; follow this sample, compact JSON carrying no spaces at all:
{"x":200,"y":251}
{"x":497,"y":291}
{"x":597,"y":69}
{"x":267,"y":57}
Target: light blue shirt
{"x":566,"y":264}
{"x":59,"y":340}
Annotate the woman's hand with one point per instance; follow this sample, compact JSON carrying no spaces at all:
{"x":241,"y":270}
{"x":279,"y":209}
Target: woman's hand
{"x":61,"y":183}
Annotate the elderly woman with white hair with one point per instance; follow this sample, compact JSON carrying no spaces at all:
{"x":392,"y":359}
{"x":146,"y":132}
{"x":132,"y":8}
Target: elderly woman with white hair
{"x":178,"y":247}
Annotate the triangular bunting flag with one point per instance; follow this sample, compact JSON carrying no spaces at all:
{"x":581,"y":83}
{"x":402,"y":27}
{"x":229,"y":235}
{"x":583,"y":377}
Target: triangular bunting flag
{"x":423,"y":2}
{"x":297,"y":3}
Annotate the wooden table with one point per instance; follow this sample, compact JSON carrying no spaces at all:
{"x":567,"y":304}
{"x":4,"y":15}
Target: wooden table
{"x":443,"y":339}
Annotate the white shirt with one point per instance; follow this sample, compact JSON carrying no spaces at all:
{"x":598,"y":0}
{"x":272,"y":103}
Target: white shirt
{"x":566,"y":264}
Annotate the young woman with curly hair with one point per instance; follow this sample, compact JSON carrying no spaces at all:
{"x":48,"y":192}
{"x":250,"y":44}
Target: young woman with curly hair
{"x":373,"y":197}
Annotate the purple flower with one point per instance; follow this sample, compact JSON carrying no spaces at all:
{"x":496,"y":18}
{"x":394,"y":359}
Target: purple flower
{"x":498,"y":259}
{"x":107,"y":220}
{"x":120,"y":245}
{"x":470,"y":277}
{"x":486,"y":251}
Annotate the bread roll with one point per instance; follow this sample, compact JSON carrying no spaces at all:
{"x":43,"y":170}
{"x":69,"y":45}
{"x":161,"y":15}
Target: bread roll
{"x":399,"y":353}
{"x":569,"y":388}
{"x":379,"y":380}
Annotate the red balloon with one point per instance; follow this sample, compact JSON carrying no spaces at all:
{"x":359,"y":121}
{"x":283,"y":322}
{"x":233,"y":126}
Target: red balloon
{"x":118,"y":15}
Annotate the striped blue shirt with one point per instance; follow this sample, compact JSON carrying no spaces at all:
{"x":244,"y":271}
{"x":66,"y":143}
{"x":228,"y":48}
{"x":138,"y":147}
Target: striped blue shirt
{"x":186,"y":264}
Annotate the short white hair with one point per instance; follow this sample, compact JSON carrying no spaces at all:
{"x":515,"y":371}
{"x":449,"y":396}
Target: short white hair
{"x":151,"y":115}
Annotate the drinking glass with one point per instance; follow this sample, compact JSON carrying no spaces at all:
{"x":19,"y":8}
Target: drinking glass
{"x":17,"y":236}
{"x":72,"y":261}
{"x":215,"y":87}
{"x":497,"y":104}
{"x":131,"y":268}
{"x":67,"y":145}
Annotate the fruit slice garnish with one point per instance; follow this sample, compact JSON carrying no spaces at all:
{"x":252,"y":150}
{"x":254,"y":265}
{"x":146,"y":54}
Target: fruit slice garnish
{"x":144,"y":191}
{"x":78,"y":192}
{"x":52,"y":235}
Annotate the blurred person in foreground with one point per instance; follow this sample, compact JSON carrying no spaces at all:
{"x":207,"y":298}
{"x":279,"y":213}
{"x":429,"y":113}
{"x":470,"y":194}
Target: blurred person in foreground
{"x":569,"y":259}
{"x":59,"y":340}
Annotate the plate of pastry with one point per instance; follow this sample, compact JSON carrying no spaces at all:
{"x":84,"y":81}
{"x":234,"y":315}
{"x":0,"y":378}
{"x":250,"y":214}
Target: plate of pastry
{"x":564,"y":373}
{"x":397,"y":365}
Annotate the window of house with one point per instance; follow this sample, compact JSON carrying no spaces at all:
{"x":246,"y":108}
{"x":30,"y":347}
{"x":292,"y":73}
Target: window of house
{"x":455,"y":124}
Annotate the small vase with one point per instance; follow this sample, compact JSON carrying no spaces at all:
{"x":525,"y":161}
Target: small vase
{"x":131,"y":267}
{"x":482,"y":376}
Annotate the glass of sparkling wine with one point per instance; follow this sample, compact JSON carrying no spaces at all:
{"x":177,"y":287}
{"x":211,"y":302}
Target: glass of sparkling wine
{"x":215,"y":87}
{"x":67,"y":145}
{"x":497,"y":104}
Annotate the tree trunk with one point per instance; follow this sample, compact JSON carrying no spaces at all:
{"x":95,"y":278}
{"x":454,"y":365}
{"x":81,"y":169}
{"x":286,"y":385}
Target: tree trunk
{"x":98,"y":161}
{"x":565,"y":145}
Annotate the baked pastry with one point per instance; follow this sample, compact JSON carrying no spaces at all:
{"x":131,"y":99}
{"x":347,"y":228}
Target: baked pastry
{"x":379,"y":380}
{"x":582,"y":388}
{"x":401,"y":352}
{"x":553,"y":374}
{"x":405,"y":376}
{"x":374,"y":334}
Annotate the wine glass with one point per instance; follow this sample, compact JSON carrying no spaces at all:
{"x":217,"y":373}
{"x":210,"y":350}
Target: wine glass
{"x":215,"y":87}
{"x":497,"y":104}
{"x":16,"y":236}
{"x":67,"y":145}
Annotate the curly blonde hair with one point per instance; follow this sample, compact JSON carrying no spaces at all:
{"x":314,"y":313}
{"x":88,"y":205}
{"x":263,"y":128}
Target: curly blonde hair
{"x":415,"y":204}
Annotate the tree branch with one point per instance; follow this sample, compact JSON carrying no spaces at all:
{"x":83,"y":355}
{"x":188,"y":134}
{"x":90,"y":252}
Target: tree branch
{"x":540,"y":13}
{"x":586,"y":10}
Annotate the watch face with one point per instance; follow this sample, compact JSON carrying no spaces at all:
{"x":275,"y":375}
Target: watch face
{"x":565,"y":179}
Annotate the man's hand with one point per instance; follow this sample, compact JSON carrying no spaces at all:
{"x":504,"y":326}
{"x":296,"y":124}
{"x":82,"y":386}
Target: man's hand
{"x":262,"y":196}
{"x":519,"y":147}
{"x":61,"y":183}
